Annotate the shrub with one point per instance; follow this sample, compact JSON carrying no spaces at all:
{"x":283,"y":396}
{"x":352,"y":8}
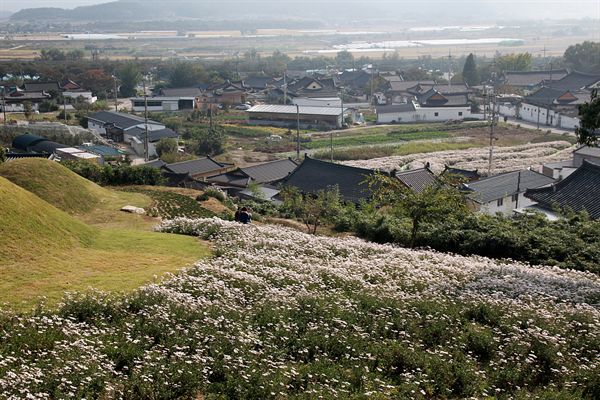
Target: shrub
{"x":215,"y":192}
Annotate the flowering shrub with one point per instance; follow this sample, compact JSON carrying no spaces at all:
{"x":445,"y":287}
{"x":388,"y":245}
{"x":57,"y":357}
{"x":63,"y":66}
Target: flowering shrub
{"x":505,"y":158}
{"x":282,"y":314}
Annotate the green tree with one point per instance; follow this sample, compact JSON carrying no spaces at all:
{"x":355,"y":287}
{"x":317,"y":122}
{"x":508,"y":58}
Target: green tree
{"x":470,"y":73}
{"x":439,"y":201}
{"x":588,"y":131}
{"x":344,"y":59}
{"x":130,"y":77}
{"x":27,"y":109}
{"x":584,"y":57}
{"x":186,"y":74}
{"x":312,"y":209}
{"x":52,"y":55}
{"x":514,"y":62}
{"x":206,"y":141}
{"x":166,"y":145}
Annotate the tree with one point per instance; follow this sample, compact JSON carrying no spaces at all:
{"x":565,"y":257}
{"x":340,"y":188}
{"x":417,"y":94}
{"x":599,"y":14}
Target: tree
{"x":129,"y":76}
{"x":514,"y":62}
{"x":584,"y":57}
{"x":2,"y":154}
{"x":52,"y":55}
{"x":186,"y":74}
{"x":166,"y":145}
{"x":344,"y":59}
{"x":27,"y":109}
{"x":588,"y":132}
{"x":206,"y":141}
{"x":312,"y":209}
{"x":439,"y":201}
{"x":470,"y":73}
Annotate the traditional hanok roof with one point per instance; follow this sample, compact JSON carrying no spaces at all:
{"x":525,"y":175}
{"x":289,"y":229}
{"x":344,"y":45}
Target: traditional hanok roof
{"x":395,"y":108}
{"x":434,"y":98}
{"x":195,"y":167}
{"x":268,"y":172}
{"x":51,"y":86}
{"x":356,"y":79}
{"x":311,"y":87}
{"x":417,"y":179}
{"x":532,"y":78}
{"x":551,"y":96}
{"x":406,"y":86}
{"x":153,"y":135}
{"x":314,"y":175}
{"x":70,"y":85}
{"x":507,"y":184}
{"x":580,"y":191}
{"x":259,"y":82}
{"x":158,"y":163}
{"x":576,"y":81}
{"x":589,"y":151}
{"x":181,"y":92}
{"x":468,"y":174}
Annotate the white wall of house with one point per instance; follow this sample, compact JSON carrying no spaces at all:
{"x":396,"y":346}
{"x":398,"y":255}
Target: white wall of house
{"x":159,"y":104}
{"x":18,"y":107}
{"x":138,"y":146}
{"x":508,"y":109}
{"x":87,"y":96}
{"x":97,"y":127}
{"x":533,"y":113}
{"x":427,"y":114}
{"x":507,"y":206}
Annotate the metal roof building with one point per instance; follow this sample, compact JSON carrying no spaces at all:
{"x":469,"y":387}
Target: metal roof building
{"x":288,"y":115}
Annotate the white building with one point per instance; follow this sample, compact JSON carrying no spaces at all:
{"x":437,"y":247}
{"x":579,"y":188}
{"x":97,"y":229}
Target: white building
{"x":86,"y":95}
{"x":413,"y":112}
{"x":503,"y":193}
{"x":160,"y":104}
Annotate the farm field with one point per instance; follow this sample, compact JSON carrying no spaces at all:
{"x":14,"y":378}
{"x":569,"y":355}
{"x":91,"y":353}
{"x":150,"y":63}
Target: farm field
{"x":281,"y":314}
{"x":69,"y":235}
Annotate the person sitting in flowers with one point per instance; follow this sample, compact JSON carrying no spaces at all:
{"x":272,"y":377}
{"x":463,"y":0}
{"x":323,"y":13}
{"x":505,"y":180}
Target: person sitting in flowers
{"x":244,"y":216}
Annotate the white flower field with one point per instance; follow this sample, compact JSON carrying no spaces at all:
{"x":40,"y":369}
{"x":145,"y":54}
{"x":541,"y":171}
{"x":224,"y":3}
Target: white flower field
{"x":505,"y":158}
{"x":282,"y":314}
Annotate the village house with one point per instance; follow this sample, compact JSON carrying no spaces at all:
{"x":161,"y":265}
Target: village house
{"x":265,"y":173}
{"x":416,"y":180}
{"x":163,"y":103}
{"x":130,"y":129}
{"x":314,"y":175}
{"x":503,"y":193}
{"x":307,"y":117}
{"x":580,"y":191}
{"x":526,"y":82}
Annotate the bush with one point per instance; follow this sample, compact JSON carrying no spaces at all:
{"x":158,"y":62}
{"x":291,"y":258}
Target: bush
{"x":116,"y":175}
{"x":215,"y":192}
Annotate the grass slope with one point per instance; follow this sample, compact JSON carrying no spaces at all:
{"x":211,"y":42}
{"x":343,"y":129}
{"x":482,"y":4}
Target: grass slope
{"x":44,"y":251}
{"x":54,"y":183}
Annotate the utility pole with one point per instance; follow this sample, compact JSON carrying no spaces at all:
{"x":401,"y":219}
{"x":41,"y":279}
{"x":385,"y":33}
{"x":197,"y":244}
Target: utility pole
{"x":492,"y":134}
{"x":146,"y":156}
{"x":297,"y":132}
{"x":4,"y":103}
{"x":284,"y":88}
{"x":518,"y":189}
{"x":372,"y":71}
{"x":116,"y":101}
{"x":65,"y":108}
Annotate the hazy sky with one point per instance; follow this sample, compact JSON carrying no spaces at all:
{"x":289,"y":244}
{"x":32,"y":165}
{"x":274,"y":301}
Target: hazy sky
{"x":549,"y":8}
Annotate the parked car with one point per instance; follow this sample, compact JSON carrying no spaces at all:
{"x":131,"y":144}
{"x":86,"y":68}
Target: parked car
{"x":243,"y":107}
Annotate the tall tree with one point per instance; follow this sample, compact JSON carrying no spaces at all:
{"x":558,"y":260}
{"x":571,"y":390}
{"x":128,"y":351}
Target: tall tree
{"x":344,"y":59}
{"x":584,"y":57}
{"x":187,"y":74}
{"x":470,"y":73}
{"x":514,"y":62}
{"x":130,"y":77}
{"x":588,"y":132}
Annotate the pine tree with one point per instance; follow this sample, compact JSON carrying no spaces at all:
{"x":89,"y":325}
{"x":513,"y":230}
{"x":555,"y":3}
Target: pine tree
{"x":470,"y":74}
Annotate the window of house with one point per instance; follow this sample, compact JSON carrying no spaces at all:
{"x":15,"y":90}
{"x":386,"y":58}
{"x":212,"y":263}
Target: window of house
{"x":515,"y":197}
{"x":500,"y":202}
{"x":460,"y":113}
{"x":436,"y":114}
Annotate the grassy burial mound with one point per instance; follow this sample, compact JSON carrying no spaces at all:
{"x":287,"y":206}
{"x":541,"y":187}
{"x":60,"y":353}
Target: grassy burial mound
{"x":55,"y":184}
{"x":61,"y":232}
{"x":31,"y":225}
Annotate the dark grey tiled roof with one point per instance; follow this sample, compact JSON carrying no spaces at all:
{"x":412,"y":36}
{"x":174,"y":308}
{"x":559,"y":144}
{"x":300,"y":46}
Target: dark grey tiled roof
{"x":258,"y":82}
{"x":181,"y":92}
{"x":450,"y":99}
{"x":234,"y":178}
{"x":396,"y":108}
{"x":532,"y":78}
{"x":507,"y":184}
{"x":403,"y":86}
{"x":121,"y":120}
{"x":153,"y":135}
{"x":575,"y":81}
{"x":270,"y":171}
{"x":194,"y":167}
{"x":315,"y":175}
{"x":579,"y":191}
{"x":41,"y":86}
{"x":158,"y":163}
{"x":470,"y":175}
{"x":588,"y":151}
{"x":416,"y":179}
